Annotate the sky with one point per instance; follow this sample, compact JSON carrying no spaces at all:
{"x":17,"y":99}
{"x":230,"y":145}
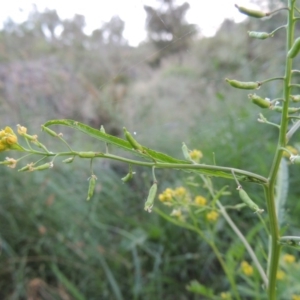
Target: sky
{"x":207,"y":14}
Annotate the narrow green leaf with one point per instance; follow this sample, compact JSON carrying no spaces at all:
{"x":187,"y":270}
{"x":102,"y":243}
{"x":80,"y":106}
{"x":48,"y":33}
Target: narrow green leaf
{"x":67,"y":283}
{"x":125,"y":145}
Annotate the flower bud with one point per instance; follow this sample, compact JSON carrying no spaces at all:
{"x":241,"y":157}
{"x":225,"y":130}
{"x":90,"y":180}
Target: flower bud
{"x":251,"y":12}
{"x":263,"y":103}
{"x":294,"y":49}
{"x":151,"y":196}
{"x":243,"y":85}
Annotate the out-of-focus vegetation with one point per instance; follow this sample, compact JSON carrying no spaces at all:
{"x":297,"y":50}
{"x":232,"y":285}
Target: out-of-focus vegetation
{"x":54,"y":244}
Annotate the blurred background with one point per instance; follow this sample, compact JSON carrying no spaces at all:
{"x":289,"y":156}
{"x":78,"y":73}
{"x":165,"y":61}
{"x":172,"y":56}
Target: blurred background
{"x":158,"y":68}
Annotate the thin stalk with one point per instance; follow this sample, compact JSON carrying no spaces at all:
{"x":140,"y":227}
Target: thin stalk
{"x":245,"y":242}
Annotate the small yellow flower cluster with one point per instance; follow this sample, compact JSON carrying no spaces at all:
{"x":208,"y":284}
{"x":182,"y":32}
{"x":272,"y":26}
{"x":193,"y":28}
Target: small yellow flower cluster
{"x":295,"y":297}
{"x":166,"y":196}
{"x":196,"y":155}
{"x":288,"y":258}
{"x":212,"y":216}
{"x":247,"y":269}
{"x":7,"y":139}
{"x":200,"y":201}
{"x":225,"y":296}
{"x":280,"y":275}
{"x":180,"y":192}
{"x":169,"y":195}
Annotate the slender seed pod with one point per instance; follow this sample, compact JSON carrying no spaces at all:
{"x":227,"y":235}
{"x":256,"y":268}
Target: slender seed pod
{"x":26,"y":168}
{"x":294,"y":49}
{"x":261,"y":102}
{"x":128,"y":177}
{"x":295,"y":98}
{"x":243,"y":85}
{"x":92,"y":185}
{"x":42,"y":167}
{"x":251,"y":12}
{"x":49,"y":131}
{"x":291,"y":110}
{"x":185,"y":152}
{"x":88,"y":154}
{"x":259,"y":35}
{"x":151,"y":196}
{"x":135,"y":145}
{"x":247,"y":200}
{"x":68,"y":160}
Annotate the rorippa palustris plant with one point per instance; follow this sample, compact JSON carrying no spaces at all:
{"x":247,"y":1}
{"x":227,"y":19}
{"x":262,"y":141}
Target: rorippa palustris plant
{"x":190,"y":209}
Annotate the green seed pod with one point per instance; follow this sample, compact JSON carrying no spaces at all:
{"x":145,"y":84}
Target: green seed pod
{"x":68,"y":160}
{"x":295,"y":98}
{"x":128,"y":177}
{"x":294,"y":49}
{"x":243,"y":85}
{"x":263,"y":103}
{"x":186,"y":152}
{"x":135,"y":145}
{"x":295,"y":159}
{"x":49,"y":131}
{"x":43,"y":167}
{"x":291,"y":110}
{"x":251,"y":12}
{"x":92,"y":185}
{"x":247,"y":200}
{"x":88,"y":154}
{"x":151,"y":196}
{"x":26,"y":168}
{"x":259,"y":35}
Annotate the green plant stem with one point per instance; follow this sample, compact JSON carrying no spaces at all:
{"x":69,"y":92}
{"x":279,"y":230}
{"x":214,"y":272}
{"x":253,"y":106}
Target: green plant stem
{"x":226,"y":172}
{"x":269,"y":188}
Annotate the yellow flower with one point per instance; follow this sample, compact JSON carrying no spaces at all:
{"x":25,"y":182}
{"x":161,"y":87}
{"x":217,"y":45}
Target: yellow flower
{"x":7,"y":139}
{"x":226,"y":296}
{"x":196,"y":155}
{"x":200,"y":200}
{"x":292,"y":151}
{"x":288,"y":258}
{"x":180,"y":191}
{"x":166,"y":196}
{"x":212,"y":216}
{"x":295,"y":297}
{"x":280,"y":275}
{"x":247,"y":269}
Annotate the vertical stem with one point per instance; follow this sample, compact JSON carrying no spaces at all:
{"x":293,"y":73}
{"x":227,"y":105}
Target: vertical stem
{"x":269,"y":189}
